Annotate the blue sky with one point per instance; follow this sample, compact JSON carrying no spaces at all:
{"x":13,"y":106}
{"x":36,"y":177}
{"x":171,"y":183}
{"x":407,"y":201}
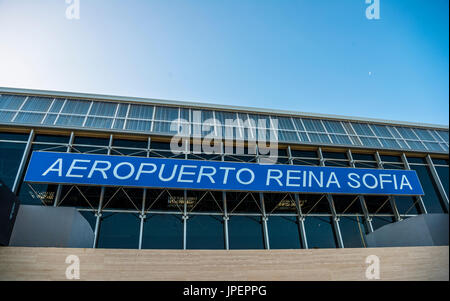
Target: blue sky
{"x":312,"y":56}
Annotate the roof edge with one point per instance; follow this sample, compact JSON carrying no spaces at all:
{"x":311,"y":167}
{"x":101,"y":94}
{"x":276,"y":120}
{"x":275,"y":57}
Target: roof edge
{"x":215,"y":107}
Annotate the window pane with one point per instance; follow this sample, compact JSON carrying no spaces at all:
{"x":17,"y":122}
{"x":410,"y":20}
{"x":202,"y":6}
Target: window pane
{"x":11,"y":102}
{"x":284,"y":123}
{"x":380,"y":221}
{"x":10,"y":157}
{"x":34,"y":118}
{"x":163,"y":231}
{"x":381,"y":130}
{"x":334,"y":127}
{"x":320,"y":138}
{"x":76,"y":106}
{"x":141,"y":112}
{"x":319,"y":232}
{"x":431,"y":198}
{"x":57,"y":105}
{"x":119,"y":231}
{"x":362,"y":129}
{"x":245,"y":232}
{"x":424,"y":134}
{"x":37,"y":104}
{"x":138,"y":125}
{"x":313,"y":125}
{"x":98,"y":122}
{"x":352,"y":231}
{"x":205,"y":232}
{"x":166,"y":113}
{"x":443,"y":176}
{"x":407,"y":133}
{"x":283,"y":232}
{"x":103,"y":109}
{"x":70,"y":120}
{"x":6,"y":116}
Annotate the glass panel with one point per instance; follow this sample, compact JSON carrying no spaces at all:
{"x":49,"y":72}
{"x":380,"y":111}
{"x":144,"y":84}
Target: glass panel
{"x":433,"y":146}
{"x":321,"y":138}
{"x":23,"y":117}
{"x":362,"y":129}
{"x":298,"y":124}
{"x":10,"y":157}
{"x":37,"y":194}
{"x":287,"y":136}
{"x":378,"y":204}
{"x":6,"y":116}
{"x":245,"y":232}
{"x":70,"y":120}
{"x":163,"y":127}
{"x":389,"y":143}
{"x":424,"y":134}
{"x":119,"y":231}
{"x":283,"y":232}
{"x":407,"y":133}
{"x":381,"y":130}
{"x":11,"y":102}
{"x":75,"y":106}
{"x":416,"y":145}
{"x":443,"y":176}
{"x":166,"y":113}
{"x":319,"y":232}
{"x":340,"y":139}
{"x":103,"y":109}
{"x":334,"y":127}
{"x":431,"y":199}
{"x":123,"y":108}
{"x":284,"y":123}
{"x":141,"y":112}
{"x":380,"y":221}
{"x":205,"y":232}
{"x":163,"y":231}
{"x":57,"y":105}
{"x":444,"y":135}
{"x":352,"y":231}
{"x":51,"y":138}
{"x":91,"y":140}
{"x":313,"y":125}
{"x":372,"y":142}
{"x":138,"y":125}
{"x":14,"y":136}
{"x":50,"y":119}
{"x":347,"y":204}
{"x":37,"y":104}
{"x":407,"y":205}
{"x":98,"y":122}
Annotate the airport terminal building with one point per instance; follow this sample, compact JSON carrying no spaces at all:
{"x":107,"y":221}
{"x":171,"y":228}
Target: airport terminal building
{"x":210,"y":213}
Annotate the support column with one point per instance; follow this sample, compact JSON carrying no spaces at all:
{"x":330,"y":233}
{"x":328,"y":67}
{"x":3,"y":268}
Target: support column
{"x":23,"y":162}
{"x":391,"y":198}
{"x":59,"y":189}
{"x":418,"y":198}
{"x":300,"y":217}
{"x":362,"y":201}
{"x":437,"y":180}
{"x":98,"y":213}
{"x":335,"y":217}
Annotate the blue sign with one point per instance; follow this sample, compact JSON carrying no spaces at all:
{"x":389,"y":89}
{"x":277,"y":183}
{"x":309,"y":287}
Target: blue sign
{"x":103,"y":170}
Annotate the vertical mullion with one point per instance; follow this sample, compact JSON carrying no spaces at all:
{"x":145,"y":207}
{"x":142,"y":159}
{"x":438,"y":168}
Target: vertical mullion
{"x":23,"y":161}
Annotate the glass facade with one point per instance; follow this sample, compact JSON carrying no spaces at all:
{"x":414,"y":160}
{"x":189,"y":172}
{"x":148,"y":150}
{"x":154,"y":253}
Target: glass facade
{"x":178,"y":219}
{"x":168,"y":120}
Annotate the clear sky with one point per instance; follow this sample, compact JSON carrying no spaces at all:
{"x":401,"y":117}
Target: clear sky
{"x":321,"y":56}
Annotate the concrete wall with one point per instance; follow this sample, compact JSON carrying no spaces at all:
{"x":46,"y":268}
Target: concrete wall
{"x":421,"y":230}
{"x":404,"y":263}
{"x":47,"y":226}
